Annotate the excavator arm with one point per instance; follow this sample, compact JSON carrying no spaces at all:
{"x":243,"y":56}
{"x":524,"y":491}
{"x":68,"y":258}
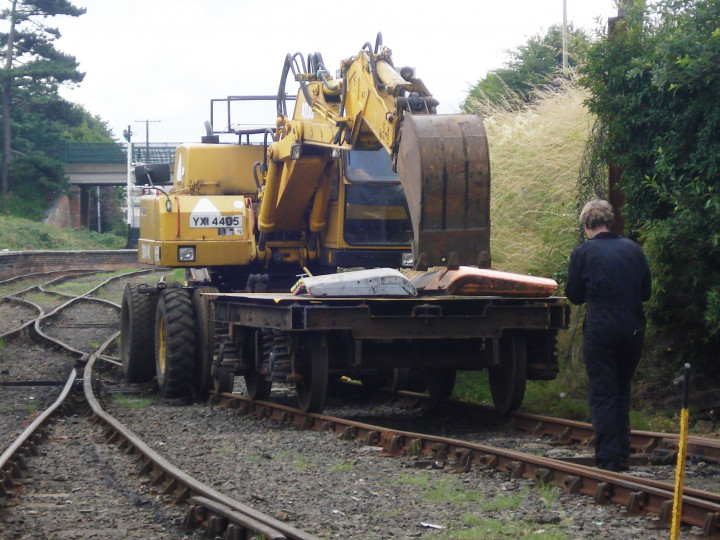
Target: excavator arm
{"x":442,"y":160}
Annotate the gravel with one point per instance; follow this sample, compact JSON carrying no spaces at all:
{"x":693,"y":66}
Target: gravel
{"x":80,"y":487}
{"x":339,"y":489}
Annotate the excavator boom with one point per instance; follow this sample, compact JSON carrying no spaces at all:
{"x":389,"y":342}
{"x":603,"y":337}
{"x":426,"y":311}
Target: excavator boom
{"x":442,"y":160}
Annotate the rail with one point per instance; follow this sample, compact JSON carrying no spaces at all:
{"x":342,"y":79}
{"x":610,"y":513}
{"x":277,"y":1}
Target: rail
{"x":637,"y":495}
{"x":206,"y":506}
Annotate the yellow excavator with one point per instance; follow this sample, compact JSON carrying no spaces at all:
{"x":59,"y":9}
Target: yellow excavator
{"x":362,"y":173}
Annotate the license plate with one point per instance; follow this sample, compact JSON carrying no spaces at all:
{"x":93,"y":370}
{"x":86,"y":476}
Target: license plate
{"x":214,"y":221}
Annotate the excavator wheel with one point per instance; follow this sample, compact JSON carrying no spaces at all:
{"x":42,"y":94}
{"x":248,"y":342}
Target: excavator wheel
{"x":443,"y":164}
{"x":137,"y":320}
{"x":174,"y":343}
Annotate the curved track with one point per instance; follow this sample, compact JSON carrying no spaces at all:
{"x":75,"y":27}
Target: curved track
{"x":62,"y":328}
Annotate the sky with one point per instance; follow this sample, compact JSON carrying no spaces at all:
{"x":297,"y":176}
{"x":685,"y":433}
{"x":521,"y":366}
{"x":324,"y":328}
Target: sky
{"x":163,"y":60}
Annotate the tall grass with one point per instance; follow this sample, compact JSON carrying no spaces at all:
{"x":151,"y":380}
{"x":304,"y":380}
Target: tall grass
{"x":535,"y":156}
{"x":536,"y":151}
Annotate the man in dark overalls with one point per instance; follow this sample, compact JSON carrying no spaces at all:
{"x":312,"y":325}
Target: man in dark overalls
{"x":609,"y":274}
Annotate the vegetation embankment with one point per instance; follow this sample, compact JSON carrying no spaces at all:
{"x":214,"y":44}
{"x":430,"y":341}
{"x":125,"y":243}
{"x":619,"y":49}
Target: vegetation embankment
{"x":537,"y":154}
{"x":18,"y":234}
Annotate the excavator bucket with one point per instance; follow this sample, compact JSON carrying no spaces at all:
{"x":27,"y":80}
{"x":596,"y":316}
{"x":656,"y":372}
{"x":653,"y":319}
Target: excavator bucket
{"x":444,"y":167}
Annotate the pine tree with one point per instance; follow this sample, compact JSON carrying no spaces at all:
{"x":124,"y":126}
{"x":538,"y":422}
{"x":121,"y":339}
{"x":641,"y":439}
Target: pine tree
{"x":33,"y":70}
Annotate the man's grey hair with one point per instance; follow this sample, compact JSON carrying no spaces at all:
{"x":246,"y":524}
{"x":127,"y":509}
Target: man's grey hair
{"x":597,"y":213}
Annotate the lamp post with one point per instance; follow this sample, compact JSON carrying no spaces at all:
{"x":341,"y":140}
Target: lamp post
{"x":127,"y":134}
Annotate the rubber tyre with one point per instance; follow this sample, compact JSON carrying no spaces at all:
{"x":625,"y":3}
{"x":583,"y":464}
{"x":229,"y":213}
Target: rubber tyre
{"x":174,"y":343}
{"x":204,"y":339}
{"x":508,"y":380}
{"x":137,"y":325}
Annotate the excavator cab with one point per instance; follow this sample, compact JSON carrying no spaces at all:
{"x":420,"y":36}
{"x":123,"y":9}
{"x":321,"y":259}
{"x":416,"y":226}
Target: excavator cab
{"x":375,"y":207}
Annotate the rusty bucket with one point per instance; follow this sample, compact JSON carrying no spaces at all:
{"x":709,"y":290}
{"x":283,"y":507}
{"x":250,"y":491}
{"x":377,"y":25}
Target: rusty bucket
{"x":444,"y":168}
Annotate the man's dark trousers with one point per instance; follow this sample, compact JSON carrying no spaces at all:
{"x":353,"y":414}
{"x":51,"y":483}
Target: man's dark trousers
{"x":611,"y":357}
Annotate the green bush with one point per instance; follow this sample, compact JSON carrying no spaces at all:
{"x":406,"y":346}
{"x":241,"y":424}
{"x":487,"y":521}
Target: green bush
{"x":18,"y":234}
{"x":654,"y":85}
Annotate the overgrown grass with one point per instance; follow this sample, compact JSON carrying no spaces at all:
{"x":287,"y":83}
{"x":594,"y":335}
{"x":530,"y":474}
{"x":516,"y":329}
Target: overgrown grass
{"x":482,"y":515}
{"x":301,"y":463}
{"x":132,"y":402}
{"x":18,"y":234}
{"x":481,"y":528}
{"x":77,"y":287}
{"x":535,"y":156}
{"x":344,"y":467}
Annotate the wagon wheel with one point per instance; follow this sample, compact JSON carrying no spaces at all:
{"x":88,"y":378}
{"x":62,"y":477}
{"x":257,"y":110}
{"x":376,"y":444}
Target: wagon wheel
{"x":137,"y":323}
{"x":223,"y":379}
{"x":256,"y":383}
{"x":204,"y":338}
{"x":174,"y":343}
{"x":507,"y":380}
{"x":258,"y":387}
{"x":440,"y":383}
{"x":311,"y":367}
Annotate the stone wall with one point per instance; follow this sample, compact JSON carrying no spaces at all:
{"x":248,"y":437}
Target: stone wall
{"x":14,"y":263}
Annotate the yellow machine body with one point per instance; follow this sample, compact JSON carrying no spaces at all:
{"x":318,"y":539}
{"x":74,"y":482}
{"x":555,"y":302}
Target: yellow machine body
{"x":216,"y":169}
{"x":207,"y":219}
{"x":196,"y":231}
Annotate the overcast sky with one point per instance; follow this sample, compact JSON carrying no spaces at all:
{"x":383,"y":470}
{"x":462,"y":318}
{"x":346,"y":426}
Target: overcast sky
{"x":165,"y":59}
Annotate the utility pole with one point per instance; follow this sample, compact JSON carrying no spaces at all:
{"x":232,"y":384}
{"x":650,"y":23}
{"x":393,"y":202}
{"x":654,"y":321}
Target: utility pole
{"x":564,"y":39}
{"x":127,"y":134}
{"x":616,"y":196}
{"x":147,"y":135}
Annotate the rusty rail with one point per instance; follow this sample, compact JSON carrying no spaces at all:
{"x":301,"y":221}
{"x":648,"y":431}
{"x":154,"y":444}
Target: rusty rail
{"x":182,"y":486}
{"x":643,"y":442}
{"x":649,"y":446}
{"x":206,"y":506}
{"x":637,"y":495}
{"x":11,"y":460}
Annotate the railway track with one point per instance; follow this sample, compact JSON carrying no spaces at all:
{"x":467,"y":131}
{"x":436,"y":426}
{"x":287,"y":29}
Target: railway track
{"x":649,"y":447}
{"x":635,"y":495}
{"x":638,"y":495}
{"x":207,"y":509}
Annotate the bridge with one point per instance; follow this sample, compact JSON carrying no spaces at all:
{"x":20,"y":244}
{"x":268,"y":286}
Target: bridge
{"x":91,"y":167}
{"x":97,"y":164}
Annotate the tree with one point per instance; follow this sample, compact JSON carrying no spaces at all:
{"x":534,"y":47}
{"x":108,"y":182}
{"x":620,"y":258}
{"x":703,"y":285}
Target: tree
{"x":655,"y":86}
{"x":531,"y":65}
{"x":33,"y":71}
